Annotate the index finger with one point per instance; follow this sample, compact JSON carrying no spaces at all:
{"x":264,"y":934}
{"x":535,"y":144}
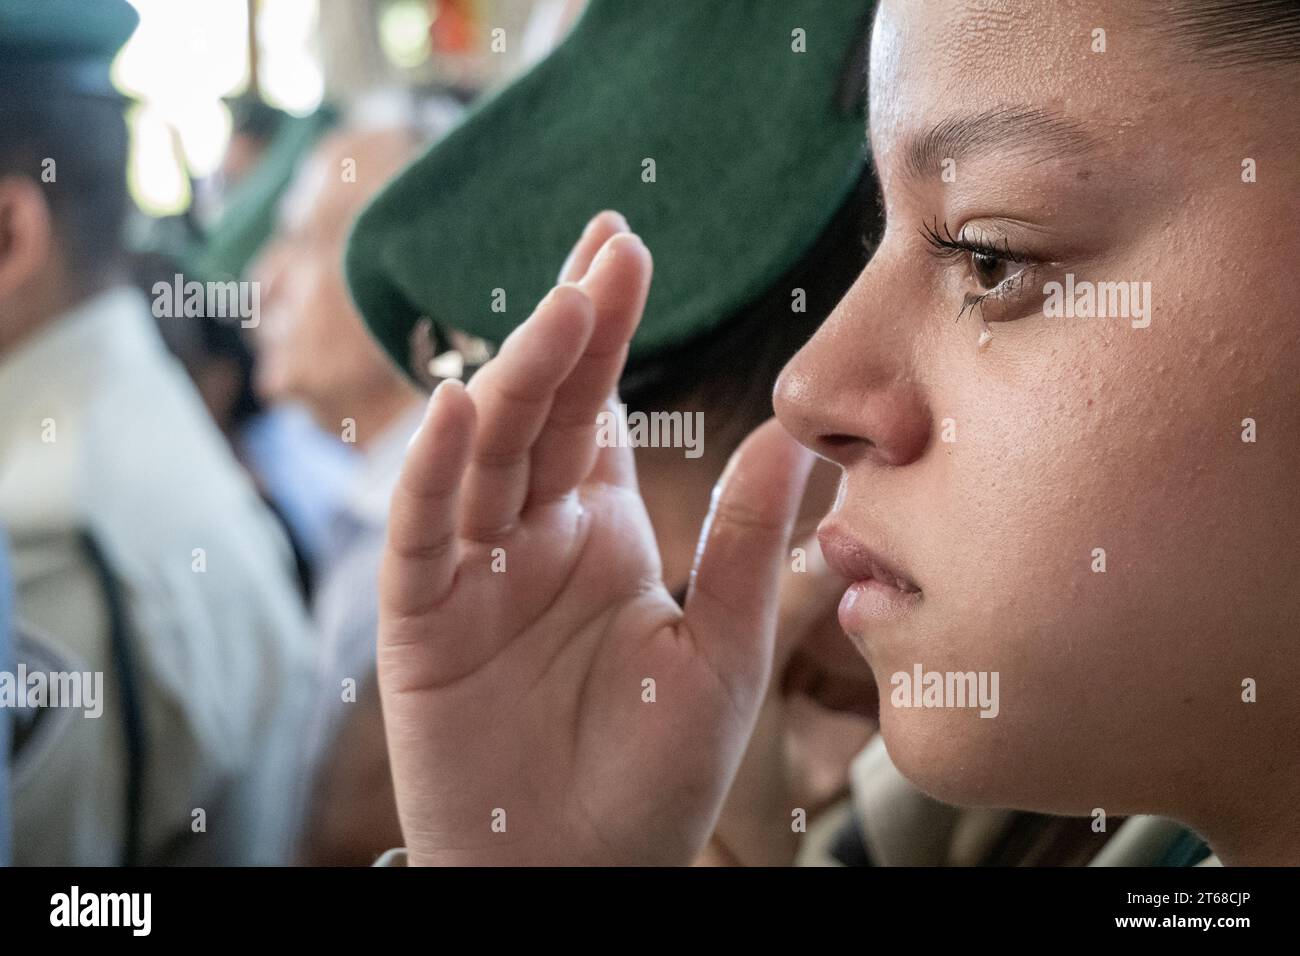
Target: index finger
{"x":594,"y":236}
{"x":420,"y":553}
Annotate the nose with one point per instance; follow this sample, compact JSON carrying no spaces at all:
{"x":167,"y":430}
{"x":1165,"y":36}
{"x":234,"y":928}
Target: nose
{"x":267,"y":271}
{"x":851,"y":394}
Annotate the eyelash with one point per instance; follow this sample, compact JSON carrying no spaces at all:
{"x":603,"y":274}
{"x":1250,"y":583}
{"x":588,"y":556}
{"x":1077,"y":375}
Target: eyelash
{"x":947,"y":246}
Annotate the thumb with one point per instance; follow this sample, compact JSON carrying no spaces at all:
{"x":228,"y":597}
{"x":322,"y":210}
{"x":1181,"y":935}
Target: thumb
{"x":731,"y":607}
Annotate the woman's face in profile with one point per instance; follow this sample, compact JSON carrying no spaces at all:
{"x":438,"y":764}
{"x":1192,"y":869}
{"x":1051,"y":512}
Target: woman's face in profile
{"x":1041,"y":391}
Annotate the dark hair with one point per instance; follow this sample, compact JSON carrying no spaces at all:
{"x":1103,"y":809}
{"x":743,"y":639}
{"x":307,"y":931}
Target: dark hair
{"x":730,"y":373}
{"x":86,"y":138}
{"x":199,"y":340}
{"x":1230,"y":33}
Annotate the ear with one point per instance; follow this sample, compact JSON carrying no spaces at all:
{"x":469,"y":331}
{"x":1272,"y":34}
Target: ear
{"x":26,"y":234}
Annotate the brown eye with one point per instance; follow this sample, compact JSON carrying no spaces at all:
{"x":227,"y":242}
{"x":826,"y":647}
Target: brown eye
{"x":989,"y":270}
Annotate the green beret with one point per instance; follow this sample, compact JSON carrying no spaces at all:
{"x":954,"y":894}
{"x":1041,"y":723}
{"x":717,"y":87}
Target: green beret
{"x":728,"y":133}
{"x":252,"y":208}
{"x":65,"y":45}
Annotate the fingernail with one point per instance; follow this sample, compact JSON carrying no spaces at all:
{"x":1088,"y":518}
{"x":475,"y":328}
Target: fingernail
{"x":446,"y":385}
{"x":555,"y":290}
{"x":601,"y":257}
{"x":606,"y":253}
{"x":438,"y":392}
{"x":620,"y":223}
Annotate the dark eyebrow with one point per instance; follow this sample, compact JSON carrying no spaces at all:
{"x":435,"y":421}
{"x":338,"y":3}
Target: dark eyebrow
{"x":1025,"y":129}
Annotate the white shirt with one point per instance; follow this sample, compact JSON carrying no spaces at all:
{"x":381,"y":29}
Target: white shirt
{"x":102,"y":431}
{"x":346,"y":602}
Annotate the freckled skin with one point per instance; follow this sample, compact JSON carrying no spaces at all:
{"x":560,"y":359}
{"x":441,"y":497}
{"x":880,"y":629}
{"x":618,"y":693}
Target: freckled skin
{"x":1119,"y":690}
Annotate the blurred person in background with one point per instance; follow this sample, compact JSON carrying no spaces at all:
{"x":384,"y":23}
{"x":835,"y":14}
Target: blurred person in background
{"x":301,"y":472}
{"x":313,"y":349}
{"x":140,"y":551}
{"x":217,"y":356}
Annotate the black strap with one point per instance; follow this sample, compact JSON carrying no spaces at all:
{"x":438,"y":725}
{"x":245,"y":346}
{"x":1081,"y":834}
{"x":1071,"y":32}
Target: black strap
{"x":133,"y":727}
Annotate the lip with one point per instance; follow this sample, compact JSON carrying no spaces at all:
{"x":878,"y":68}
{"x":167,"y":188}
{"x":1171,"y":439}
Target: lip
{"x":880,"y":591}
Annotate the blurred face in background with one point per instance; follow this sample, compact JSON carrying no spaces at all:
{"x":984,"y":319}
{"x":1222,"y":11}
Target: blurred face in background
{"x":312,"y":345}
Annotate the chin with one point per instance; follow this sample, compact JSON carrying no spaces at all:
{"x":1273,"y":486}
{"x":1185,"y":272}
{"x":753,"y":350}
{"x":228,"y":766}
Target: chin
{"x":961,"y":759}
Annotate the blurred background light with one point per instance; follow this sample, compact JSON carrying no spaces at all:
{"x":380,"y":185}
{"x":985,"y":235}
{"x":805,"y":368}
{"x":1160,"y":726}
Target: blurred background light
{"x":156,"y":174}
{"x":184,"y":59}
{"x":289,"y":61}
{"x":404,"y":32}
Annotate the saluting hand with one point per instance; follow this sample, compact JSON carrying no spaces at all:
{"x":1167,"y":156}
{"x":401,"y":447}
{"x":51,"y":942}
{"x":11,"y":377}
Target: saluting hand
{"x":545,"y":698}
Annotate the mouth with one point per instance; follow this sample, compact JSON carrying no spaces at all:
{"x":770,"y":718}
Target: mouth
{"x":880,"y":591}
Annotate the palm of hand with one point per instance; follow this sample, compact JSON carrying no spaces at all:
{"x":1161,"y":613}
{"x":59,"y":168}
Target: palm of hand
{"x":545,"y":698}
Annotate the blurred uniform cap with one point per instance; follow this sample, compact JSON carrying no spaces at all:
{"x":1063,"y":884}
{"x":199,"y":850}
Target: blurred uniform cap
{"x":728,"y":133}
{"x":252,"y":209}
{"x":62,"y":45}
